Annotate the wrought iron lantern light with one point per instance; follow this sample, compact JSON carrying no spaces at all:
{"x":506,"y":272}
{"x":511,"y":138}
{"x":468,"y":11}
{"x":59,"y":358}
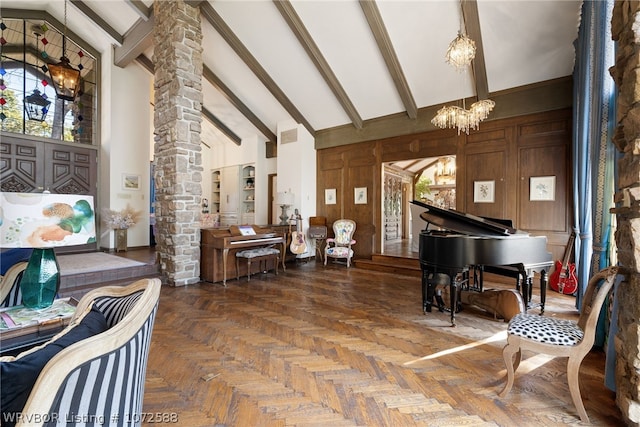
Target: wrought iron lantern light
{"x":66,"y":79}
{"x":36,"y":105}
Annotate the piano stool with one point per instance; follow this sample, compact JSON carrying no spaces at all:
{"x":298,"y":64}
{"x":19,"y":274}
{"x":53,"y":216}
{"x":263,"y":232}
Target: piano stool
{"x":259,"y":255}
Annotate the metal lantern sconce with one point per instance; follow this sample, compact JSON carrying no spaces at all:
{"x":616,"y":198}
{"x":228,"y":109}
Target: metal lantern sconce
{"x":66,"y":79}
{"x":35,"y":105}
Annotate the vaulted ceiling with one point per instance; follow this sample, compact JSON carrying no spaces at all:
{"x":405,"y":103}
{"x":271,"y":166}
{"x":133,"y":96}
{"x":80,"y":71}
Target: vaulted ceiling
{"x":341,"y":63}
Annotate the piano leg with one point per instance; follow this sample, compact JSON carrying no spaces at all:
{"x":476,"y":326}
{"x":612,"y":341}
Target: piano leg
{"x":427,"y":291}
{"x":225,"y":255}
{"x":543,"y":290}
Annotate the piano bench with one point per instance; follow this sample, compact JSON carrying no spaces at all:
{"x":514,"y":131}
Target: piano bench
{"x":259,"y":255}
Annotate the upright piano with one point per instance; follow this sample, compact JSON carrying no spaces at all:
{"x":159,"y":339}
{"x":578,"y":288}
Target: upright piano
{"x":216,"y":245}
{"x":454,"y":242}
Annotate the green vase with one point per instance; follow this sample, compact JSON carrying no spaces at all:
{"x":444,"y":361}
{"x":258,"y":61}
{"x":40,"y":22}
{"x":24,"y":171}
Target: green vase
{"x":41,"y":279}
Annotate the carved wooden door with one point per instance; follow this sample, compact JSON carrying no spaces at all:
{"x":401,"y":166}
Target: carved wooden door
{"x":35,"y":166}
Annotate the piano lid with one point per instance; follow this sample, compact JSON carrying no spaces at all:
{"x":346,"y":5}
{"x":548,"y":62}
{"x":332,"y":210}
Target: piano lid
{"x":464,"y":223}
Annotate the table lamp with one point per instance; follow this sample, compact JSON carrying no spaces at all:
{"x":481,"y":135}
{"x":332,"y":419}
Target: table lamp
{"x":285,"y":200}
{"x":43,"y":222}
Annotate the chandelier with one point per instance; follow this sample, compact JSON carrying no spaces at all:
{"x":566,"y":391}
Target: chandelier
{"x":460,"y":54}
{"x":66,"y":79}
{"x":445,"y":171}
{"x":453,"y":116}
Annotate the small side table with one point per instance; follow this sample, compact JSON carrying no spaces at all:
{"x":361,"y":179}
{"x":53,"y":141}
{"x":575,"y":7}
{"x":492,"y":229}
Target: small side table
{"x":19,"y":331}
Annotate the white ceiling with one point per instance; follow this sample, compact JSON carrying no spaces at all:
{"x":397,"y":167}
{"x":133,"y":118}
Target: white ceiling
{"x":523,"y":42}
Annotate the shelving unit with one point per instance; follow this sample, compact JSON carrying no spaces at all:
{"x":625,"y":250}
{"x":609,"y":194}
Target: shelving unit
{"x":215,"y":192}
{"x":247,"y":181}
{"x":233,"y":194}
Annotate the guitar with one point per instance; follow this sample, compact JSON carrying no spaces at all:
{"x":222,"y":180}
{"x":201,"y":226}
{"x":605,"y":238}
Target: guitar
{"x":298,"y":245}
{"x":564,"y":278}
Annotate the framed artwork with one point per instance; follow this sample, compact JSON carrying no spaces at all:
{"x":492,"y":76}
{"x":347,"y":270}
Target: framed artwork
{"x":542,"y":188}
{"x":484,"y":191}
{"x":330,"y":196}
{"x":360,"y":195}
{"x":130,"y":181}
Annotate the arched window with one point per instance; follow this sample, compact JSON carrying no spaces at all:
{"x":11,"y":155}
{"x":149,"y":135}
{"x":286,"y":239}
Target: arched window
{"x":27,"y":93}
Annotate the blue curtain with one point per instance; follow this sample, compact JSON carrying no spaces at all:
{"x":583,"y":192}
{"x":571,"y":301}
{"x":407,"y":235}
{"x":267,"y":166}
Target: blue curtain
{"x":593,"y":152}
{"x":594,"y":156}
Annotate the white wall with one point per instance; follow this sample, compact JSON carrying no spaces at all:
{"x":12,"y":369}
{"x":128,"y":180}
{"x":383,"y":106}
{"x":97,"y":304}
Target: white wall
{"x":296,"y":163}
{"x":126,"y":107}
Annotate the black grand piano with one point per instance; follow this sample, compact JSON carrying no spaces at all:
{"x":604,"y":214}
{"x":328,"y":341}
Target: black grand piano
{"x":454,"y":243}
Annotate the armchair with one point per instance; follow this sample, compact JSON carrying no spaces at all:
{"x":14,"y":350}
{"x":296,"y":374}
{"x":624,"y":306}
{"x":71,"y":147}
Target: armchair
{"x":101,"y":377}
{"x":339,"y":246}
{"x":10,"y":293}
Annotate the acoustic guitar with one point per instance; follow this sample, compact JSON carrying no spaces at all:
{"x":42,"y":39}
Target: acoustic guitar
{"x":298,"y":245}
{"x":564,"y":279}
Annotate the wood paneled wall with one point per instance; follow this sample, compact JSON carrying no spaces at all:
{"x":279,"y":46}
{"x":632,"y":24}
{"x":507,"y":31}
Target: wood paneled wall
{"x":508,"y":152}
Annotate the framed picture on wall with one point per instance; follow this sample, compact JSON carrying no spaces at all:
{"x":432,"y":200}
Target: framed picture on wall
{"x":484,"y":191}
{"x":330,"y":196}
{"x":542,"y":188}
{"x":360,"y":195}
{"x":130,"y":181}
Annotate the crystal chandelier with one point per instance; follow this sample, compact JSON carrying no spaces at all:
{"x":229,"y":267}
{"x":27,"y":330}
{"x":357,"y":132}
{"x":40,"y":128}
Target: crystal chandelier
{"x":445,"y":172}
{"x":460,"y":54}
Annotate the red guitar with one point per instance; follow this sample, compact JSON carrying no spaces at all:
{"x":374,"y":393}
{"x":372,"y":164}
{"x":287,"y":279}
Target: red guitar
{"x":564,"y":279}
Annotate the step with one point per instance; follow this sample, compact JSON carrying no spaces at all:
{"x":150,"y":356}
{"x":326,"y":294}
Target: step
{"x":391,"y":264}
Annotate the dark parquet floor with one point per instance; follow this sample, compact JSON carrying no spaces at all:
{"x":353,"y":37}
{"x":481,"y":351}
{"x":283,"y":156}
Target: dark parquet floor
{"x":331,"y":346}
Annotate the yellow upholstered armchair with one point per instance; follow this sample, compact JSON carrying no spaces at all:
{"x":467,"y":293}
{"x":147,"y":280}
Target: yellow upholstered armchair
{"x":339,"y":246}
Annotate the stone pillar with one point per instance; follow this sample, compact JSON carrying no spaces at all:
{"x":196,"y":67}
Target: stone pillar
{"x":177,"y":120}
{"x":626,"y":73}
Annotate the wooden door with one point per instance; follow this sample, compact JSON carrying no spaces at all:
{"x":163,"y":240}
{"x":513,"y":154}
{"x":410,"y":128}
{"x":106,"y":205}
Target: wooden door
{"x":70,"y":170}
{"x":21,"y":165}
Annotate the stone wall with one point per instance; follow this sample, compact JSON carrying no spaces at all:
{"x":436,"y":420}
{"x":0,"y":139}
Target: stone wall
{"x":177,"y":122}
{"x":626,"y":31}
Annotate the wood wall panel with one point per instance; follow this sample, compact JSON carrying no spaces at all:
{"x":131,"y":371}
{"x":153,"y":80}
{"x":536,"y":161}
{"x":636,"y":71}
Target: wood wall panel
{"x":543,"y":216}
{"x":485,"y":167}
{"x":506,"y":151}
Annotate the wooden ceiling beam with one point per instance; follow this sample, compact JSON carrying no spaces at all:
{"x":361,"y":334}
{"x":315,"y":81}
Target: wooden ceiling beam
{"x":216,"y":82}
{"x":97,"y":19}
{"x":234,"y":42}
{"x":300,"y":31}
{"x":372,"y":13}
{"x":479,"y":67}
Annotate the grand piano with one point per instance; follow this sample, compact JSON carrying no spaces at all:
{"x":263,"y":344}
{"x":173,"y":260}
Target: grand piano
{"x":454,"y":243}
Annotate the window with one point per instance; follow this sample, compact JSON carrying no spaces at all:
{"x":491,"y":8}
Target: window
{"x":26,"y":47}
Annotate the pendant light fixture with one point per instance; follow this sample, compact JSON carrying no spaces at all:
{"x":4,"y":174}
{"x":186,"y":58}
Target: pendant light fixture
{"x":460,"y":54}
{"x":66,"y":79}
{"x":36,"y":105}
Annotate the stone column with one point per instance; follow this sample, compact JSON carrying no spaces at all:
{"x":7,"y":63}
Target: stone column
{"x":626,"y":73}
{"x":177,"y":120}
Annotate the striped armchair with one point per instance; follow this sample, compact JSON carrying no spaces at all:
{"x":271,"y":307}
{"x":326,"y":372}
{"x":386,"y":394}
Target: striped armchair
{"x":101,"y":378}
{"x":10,"y":294}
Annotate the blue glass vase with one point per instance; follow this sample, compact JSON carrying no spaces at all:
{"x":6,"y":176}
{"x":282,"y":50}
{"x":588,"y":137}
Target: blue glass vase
{"x":41,"y":279}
